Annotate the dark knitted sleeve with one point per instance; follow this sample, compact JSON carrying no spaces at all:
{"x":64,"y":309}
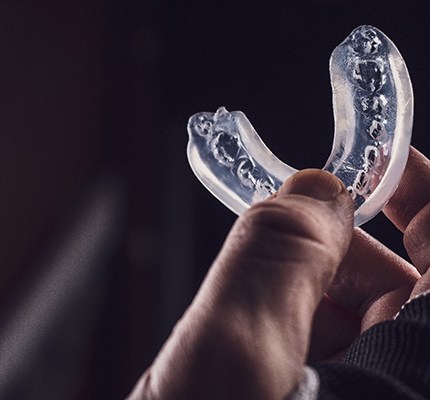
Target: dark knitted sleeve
{"x":389,"y":361}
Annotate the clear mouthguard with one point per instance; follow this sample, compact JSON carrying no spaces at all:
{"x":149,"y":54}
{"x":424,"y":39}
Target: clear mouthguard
{"x":373,"y":112}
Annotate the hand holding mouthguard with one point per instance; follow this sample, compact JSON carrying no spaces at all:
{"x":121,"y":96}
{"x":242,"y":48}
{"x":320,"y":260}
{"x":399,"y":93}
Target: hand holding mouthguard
{"x":373,"y":112}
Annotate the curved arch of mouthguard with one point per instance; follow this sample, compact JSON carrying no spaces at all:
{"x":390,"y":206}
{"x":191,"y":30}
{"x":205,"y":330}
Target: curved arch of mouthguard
{"x":373,"y":112}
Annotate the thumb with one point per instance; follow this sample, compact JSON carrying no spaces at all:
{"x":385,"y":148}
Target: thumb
{"x":295,"y":239}
{"x":247,"y":331}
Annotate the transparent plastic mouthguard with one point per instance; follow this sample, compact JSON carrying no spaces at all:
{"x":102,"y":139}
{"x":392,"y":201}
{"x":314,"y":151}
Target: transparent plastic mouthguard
{"x":373,"y":112}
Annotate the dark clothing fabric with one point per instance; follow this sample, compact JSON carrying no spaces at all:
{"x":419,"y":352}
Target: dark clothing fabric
{"x":389,"y":361}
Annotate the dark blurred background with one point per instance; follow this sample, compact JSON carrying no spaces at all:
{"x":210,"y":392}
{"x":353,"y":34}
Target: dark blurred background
{"x":105,"y":232}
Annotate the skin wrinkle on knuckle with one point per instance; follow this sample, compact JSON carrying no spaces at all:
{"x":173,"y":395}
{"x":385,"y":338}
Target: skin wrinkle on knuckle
{"x":270,"y":256}
{"x":277,"y":216}
{"x":416,"y":202}
{"x":270,"y":235}
{"x":298,"y":215}
{"x":352,"y":287}
{"x":277,"y":227}
{"x":412,"y":239}
{"x":417,"y":239}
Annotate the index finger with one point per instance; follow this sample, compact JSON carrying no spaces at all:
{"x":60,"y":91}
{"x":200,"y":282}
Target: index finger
{"x":413,"y":192}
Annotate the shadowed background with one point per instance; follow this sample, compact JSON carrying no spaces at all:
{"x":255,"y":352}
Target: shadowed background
{"x":106,"y":233}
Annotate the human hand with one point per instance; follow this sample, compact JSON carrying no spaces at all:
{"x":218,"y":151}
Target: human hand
{"x":372,"y":282}
{"x":247,"y":333}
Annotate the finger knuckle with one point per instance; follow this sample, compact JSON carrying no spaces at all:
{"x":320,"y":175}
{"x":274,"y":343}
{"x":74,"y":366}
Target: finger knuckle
{"x":417,"y":238}
{"x":281,"y":219}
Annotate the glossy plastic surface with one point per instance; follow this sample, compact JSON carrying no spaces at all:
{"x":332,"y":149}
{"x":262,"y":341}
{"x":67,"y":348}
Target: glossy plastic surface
{"x":373,"y":111}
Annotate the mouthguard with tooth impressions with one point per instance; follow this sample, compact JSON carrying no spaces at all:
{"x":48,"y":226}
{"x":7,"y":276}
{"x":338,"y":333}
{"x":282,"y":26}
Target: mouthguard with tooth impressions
{"x":373,"y":112}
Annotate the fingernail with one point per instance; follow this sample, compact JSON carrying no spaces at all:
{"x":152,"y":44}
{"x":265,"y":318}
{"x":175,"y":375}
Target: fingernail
{"x":320,"y":185}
